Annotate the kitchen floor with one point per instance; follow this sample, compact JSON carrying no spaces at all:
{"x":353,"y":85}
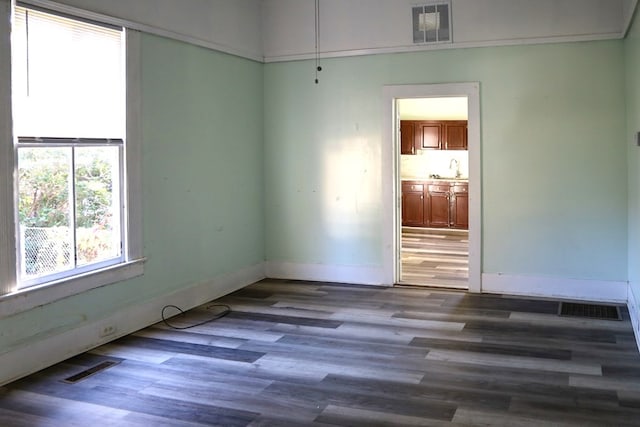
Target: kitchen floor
{"x":435,"y":257}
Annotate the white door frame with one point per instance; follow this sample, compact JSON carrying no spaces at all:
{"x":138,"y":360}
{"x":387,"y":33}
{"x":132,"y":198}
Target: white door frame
{"x":391,"y":192}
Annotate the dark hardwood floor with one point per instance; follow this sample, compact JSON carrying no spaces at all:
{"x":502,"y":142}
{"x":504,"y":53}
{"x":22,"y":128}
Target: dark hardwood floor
{"x":294,"y":353}
{"x":435,"y":257}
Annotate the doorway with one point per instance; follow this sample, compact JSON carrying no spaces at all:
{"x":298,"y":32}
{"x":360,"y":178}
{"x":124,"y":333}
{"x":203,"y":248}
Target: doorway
{"x":434,"y":175}
{"x":392,"y":184}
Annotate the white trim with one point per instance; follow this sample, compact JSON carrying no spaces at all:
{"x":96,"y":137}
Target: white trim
{"x":326,"y":273}
{"x":556,"y":287}
{"x":37,"y":355}
{"x":133,"y":148}
{"x":8,"y":266}
{"x":439,"y":46}
{"x":633,"y":304}
{"x":82,"y":13}
{"x":35,"y":296}
{"x":390,"y":187}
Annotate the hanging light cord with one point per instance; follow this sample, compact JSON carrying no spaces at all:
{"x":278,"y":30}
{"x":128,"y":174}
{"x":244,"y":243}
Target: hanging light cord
{"x":317,"y":16}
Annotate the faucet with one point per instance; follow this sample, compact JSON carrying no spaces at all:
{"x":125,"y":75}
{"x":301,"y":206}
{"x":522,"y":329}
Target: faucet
{"x":451,"y":163}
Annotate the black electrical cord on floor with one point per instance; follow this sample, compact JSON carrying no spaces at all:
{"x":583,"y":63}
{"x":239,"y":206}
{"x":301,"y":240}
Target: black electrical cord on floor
{"x":226,"y":310}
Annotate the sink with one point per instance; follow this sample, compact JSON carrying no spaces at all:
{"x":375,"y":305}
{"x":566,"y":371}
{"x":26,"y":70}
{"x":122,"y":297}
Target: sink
{"x":444,"y":178}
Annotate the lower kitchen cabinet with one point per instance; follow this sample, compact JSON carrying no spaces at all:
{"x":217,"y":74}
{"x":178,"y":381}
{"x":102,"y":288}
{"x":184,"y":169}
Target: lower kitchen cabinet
{"x":437,"y":204}
{"x":460,"y":206}
{"x":413,"y":204}
{"x":438,"y":208}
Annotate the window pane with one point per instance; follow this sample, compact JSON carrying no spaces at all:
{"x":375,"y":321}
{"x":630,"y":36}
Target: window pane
{"x":67,"y":77}
{"x":45,"y":211}
{"x":97,"y":199}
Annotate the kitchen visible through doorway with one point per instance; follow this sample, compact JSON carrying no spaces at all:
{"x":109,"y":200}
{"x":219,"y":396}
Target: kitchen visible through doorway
{"x":433,"y":170}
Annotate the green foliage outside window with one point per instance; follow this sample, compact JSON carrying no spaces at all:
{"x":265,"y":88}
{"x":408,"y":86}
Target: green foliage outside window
{"x":45,"y":208}
{"x":44,"y":188}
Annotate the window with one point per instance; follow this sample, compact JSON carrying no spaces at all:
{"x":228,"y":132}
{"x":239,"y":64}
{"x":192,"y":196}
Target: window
{"x":431,"y":23}
{"x":68,"y":114}
{"x":76,"y":152}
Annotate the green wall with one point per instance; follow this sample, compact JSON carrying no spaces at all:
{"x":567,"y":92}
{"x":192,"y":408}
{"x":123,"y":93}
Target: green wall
{"x":632,"y":57}
{"x":553,"y":156}
{"x":202,"y":184}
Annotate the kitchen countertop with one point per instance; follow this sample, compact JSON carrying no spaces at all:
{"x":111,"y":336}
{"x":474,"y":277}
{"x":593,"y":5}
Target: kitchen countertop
{"x":437,"y":179}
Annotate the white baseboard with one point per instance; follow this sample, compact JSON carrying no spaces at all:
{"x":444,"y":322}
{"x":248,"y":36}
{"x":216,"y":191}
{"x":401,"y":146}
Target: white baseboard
{"x":326,"y":273}
{"x":51,"y":350}
{"x":634,"y":310}
{"x":555,"y":287}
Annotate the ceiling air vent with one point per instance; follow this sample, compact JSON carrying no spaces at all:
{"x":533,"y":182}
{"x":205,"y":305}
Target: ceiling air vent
{"x":431,"y":23}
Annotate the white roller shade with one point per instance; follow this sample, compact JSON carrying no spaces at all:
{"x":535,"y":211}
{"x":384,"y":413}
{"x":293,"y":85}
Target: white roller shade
{"x":67,"y":77}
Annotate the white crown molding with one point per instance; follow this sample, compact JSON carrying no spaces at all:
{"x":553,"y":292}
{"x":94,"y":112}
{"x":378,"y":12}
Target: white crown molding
{"x":441,"y":46}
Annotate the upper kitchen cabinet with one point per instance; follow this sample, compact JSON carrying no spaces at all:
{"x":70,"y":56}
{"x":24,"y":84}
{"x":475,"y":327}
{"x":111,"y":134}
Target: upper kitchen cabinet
{"x":429,"y":135}
{"x":432,"y":135}
{"x":407,"y":137}
{"x":455,"y":135}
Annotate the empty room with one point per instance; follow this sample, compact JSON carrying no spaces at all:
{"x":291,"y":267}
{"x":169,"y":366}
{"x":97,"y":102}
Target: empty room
{"x":319,"y":212}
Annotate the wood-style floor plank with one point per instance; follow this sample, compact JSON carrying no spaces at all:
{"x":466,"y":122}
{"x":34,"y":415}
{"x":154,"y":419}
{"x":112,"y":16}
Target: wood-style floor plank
{"x":435,"y":257}
{"x":296,"y":353}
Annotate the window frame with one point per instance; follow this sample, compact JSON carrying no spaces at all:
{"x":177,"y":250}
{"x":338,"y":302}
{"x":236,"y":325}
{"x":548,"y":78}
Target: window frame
{"x":13,"y":299}
{"x":29,"y":142}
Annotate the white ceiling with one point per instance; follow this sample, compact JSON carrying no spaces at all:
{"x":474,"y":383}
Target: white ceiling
{"x":450,"y":108}
{"x":282,"y":30}
{"x":363,"y":27}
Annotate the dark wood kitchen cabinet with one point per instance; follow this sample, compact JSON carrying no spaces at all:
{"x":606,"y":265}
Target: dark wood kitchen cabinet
{"x":429,"y":135}
{"x":460,"y":206}
{"x":438,"y":205}
{"x":407,"y":137}
{"x":412,"y":204}
{"x":455,"y":135}
{"x":432,"y":135}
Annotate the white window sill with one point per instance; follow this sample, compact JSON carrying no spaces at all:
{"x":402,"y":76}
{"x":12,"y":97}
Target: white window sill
{"x":29,"y":298}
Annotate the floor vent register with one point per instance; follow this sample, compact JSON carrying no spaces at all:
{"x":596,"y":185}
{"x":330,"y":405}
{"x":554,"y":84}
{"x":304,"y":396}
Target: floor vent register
{"x":91,"y":371}
{"x":591,"y":311}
